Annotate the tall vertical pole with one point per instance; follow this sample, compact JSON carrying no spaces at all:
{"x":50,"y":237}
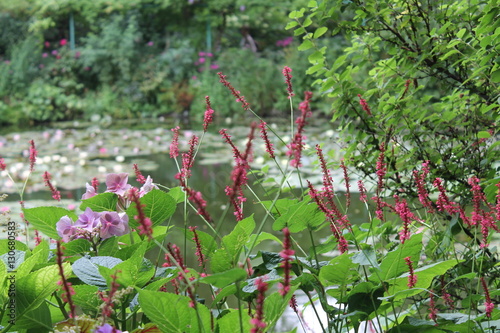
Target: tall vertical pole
{"x":71,"y":31}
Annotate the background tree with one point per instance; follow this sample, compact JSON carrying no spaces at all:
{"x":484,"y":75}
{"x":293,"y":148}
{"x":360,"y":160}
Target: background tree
{"x":420,"y":78}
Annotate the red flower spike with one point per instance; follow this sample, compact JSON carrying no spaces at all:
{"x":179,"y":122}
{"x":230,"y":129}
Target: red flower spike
{"x":297,"y":145}
{"x":288,"y":80}
{"x":239,"y":98}
{"x":33,"y":154}
{"x":68,"y":290}
{"x":145,"y":224}
{"x":174,"y":146}
{"x":364,"y":105}
{"x":488,"y":303}
{"x":138,"y":174}
{"x":265,"y":137}
{"x":258,"y":324}
{"x":199,"y":252}
{"x":362,"y":191}
{"x":412,"y":278}
{"x":287,"y":255}
{"x":347,"y":185}
{"x":47,"y":180}
{"x":208,"y":117}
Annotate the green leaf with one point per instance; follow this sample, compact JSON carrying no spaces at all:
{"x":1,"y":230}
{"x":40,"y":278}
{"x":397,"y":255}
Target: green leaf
{"x":306,"y":45}
{"x":299,"y":217}
{"x":45,"y":218}
{"x":425,"y":275}
{"x":291,"y":24}
{"x":135,"y":271}
{"x":296,"y":13}
{"x":364,"y":297}
{"x":365,"y":257}
{"x":257,"y":239}
{"x":339,"y":270}
{"x":158,"y":206}
{"x":483,"y":135}
{"x":275,"y":305}
{"x":86,"y":297}
{"x":227,"y":256}
{"x":495,"y":76}
{"x":7,"y":245}
{"x":77,"y":246}
{"x":101,"y":203}
{"x":87,"y":269}
{"x":28,"y":264}
{"x":173,"y":314}
{"x":32,"y":290}
{"x":228,"y":322}
{"x":320,"y":32}
{"x":393,"y":263}
{"x":38,"y":318}
{"x":221,"y":280}
{"x":461,"y":33}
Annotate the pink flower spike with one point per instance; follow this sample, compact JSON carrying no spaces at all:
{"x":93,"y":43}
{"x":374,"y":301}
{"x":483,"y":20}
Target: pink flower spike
{"x":287,"y":255}
{"x":3,"y":166}
{"x":257,"y":322}
{"x":146,"y":226}
{"x":138,"y":174}
{"x":364,"y":105}
{"x":208,"y":118}
{"x":239,"y":98}
{"x":297,"y":144}
{"x":47,"y":179}
{"x":33,"y":154}
{"x":95,"y":184}
{"x":265,"y":137}
{"x":362,"y":191}
{"x":174,"y":146}
{"x":288,"y":80}
{"x":199,"y":252}
{"x":412,"y":278}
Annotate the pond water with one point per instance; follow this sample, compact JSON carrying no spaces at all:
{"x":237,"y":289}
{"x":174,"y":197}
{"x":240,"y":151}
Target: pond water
{"x":75,"y":155}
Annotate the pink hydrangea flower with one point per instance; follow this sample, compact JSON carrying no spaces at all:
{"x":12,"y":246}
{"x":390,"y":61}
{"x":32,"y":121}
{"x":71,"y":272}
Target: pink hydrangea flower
{"x":112,"y":224}
{"x":147,"y":187}
{"x":65,"y":228}
{"x":90,"y":192}
{"x":117,"y":183}
{"x":88,"y":221}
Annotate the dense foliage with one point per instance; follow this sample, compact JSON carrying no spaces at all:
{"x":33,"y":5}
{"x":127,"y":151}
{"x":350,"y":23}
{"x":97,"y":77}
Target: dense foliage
{"x":419,"y":78}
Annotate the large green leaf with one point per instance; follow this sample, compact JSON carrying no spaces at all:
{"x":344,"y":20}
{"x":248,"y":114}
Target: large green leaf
{"x":44,"y":219}
{"x":275,"y":304}
{"x":38,"y":318}
{"x":299,"y":217}
{"x":173,"y":313}
{"x":103,"y":202}
{"x":227,"y":255}
{"x":394,"y":264}
{"x":158,"y":206}
{"x":339,"y":270}
{"x":399,"y":286}
{"x":33,"y":289}
{"x":232,"y":321}
{"x":221,"y":280}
